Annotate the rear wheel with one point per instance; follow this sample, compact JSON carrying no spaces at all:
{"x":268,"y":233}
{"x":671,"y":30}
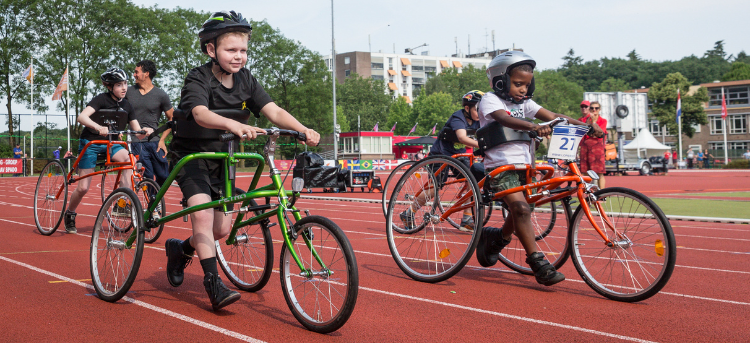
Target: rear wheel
{"x":147,"y":190}
{"x":114,"y":262}
{"x":393,"y":177}
{"x":109,"y":183}
{"x":248,"y":261}
{"x":50,"y":197}
{"x":323,"y":295}
{"x":641,"y":258}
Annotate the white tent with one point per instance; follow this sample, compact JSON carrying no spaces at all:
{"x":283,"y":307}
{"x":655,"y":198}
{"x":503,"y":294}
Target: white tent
{"x":646,"y":144}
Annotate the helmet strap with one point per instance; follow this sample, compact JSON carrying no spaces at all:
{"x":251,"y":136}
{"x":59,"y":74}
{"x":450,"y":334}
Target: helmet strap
{"x":216,"y":60}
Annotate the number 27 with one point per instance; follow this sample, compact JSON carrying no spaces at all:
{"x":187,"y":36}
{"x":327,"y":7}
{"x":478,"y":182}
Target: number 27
{"x":565,"y":142}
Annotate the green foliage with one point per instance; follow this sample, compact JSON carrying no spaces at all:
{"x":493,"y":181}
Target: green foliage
{"x":432,"y":109}
{"x":363,"y":97}
{"x":664,"y":98}
{"x":613,"y":85}
{"x":456,"y":84}
{"x":737,"y":164}
{"x":402,"y":115}
{"x":342,"y":119}
{"x":557,"y":94}
{"x":739,"y":71}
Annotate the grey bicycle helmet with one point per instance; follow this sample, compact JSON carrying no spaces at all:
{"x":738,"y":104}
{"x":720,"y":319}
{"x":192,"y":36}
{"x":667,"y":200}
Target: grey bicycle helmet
{"x":498,"y":73}
{"x":114,"y":75}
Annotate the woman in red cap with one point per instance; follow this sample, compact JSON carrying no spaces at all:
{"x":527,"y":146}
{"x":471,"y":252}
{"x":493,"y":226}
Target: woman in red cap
{"x":592,"y":149}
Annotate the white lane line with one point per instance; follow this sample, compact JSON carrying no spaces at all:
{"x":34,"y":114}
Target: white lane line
{"x":154,"y":308}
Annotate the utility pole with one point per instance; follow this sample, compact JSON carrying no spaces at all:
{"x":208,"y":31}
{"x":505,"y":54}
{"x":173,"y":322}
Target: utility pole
{"x":333,"y":68}
{"x":493,"y":40}
{"x":469,"y":51}
{"x":455,"y":39}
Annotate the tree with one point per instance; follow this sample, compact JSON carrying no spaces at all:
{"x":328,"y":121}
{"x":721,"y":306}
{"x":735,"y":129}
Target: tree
{"x":400,"y":114}
{"x":456,"y":84}
{"x":739,"y":71}
{"x":570,"y":60}
{"x":742,"y":57}
{"x":365,"y":98}
{"x":557,"y":94}
{"x":433,"y":109}
{"x":613,"y":85}
{"x":664,"y":108}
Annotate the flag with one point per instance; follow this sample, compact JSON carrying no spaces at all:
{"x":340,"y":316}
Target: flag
{"x":679,"y":106}
{"x":376,"y":127}
{"x":433,"y":129}
{"x":394,"y":127}
{"x":723,"y":106}
{"x":62,"y":86}
{"x":29,"y":74}
{"x":413,"y":128}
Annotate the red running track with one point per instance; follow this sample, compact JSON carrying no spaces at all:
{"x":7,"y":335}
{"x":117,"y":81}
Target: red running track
{"x":46,"y":294}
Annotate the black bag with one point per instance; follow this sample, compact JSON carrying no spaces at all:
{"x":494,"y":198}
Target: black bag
{"x":494,"y":134}
{"x":309,"y":159}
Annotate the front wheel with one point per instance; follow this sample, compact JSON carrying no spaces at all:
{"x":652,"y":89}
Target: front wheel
{"x":641,"y":257}
{"x":50,"y":197}
{"x":116,"y":253}
{"x":323,"y":295}
{"x":392,"y":177}
{"x":248,"y":261}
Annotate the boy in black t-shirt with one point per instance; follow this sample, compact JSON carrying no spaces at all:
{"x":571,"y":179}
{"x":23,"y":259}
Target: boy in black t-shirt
{"x":116,"y":82}
{"x":223,"y":83}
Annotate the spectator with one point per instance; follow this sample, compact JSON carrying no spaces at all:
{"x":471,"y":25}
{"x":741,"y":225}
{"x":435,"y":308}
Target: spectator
{"x":746,"y":155}
{"x":690,"y":156}
{"x":17,"y":153}
{"x":56,"y":153}
{"x":700,"y":159}
{"x":674,"y":158}
{"x":667,"y":157}
{"x":707,"y":157}
{"x":585,"y":108}
{"x":592,"y":149}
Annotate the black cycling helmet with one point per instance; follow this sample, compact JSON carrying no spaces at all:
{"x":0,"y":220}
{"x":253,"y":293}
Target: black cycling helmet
{"x":220,"y":23}
{"x":472,"y":98}
{"x":113,"y":75}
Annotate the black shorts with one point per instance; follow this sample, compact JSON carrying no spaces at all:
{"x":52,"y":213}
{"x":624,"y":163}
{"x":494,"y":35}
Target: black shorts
{"x":200,"y":177}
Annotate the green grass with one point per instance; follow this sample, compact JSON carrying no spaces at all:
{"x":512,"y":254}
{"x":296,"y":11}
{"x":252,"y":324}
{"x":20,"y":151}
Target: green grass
{"x":704,"y":208}
{"x":721,"y":194}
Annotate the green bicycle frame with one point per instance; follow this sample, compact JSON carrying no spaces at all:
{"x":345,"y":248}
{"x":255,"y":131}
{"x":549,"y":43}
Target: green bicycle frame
{"x":275,"y":189}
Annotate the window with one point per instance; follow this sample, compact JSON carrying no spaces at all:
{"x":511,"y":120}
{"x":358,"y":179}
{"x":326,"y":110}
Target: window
{"x":738,"y":145}
{"x":378,"y":77}
{"x":733,"y":95}
{"x":716,"y":146}
{"x":417,"y":68}
{"x":403,"y":67}
{"x":347,"y":72}
{"x":655,"y":128}
{"x":737,"y":123}
{"x":430,"y":69}
{"x":376,"y":65}
{"x":716,"y":125}
{"x":417,"y":80}
{"x":346,"y":60}
{"x":390,"y":61}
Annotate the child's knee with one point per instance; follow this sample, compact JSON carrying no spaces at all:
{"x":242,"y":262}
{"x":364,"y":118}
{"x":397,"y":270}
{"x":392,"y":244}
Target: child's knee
{"x":520,"y":209}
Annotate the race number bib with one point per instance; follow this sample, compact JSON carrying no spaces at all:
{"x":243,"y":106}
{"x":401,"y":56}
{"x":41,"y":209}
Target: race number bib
{"x":564,"y":142}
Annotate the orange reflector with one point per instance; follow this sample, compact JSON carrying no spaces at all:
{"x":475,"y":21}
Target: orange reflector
{"x":144,"y":188}
{"x":659,"y":247}
{"x":418,"y":175}
{"x":445,"y":253}
{"x":121,"y":202}
{"x":49,"y":175}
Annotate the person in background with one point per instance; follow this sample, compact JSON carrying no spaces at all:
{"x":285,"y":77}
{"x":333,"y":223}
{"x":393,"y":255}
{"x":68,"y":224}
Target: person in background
{"x":667,"y":157}
{"x":707,"y":157}
{"x":700,"y":159}
{"x":674,"y":158}
{"x":690,"y":156}
{"x":585,"y":108}
{"x":746,"y":155}
{"x":56,"y":153}
{"x":17,"y":153}
{"x":592,"y":151}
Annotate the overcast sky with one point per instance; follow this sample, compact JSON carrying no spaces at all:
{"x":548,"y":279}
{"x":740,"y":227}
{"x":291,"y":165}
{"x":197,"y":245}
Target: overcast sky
{"x":658,"y":29}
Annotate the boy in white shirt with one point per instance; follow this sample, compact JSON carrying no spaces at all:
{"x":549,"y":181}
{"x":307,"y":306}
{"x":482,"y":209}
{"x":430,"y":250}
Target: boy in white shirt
{"x":511,"y":75}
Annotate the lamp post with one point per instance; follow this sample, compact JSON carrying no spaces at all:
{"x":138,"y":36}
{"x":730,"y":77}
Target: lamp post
{"x":333,"y":68}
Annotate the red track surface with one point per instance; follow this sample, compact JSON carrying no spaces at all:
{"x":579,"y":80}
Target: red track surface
{"x":707,"y":299}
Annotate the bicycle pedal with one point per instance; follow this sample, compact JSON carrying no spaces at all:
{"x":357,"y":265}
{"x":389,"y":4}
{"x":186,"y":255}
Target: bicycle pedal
{"x":185,"y":218}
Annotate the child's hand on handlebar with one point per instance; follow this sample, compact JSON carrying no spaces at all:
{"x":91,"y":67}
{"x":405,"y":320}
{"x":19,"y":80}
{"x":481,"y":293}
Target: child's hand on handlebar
{"x":542,"y":130}
{"x":246,"y":132}
{"x":102,"y":130}
{"x":313,"y":138}
{"x":148,"y":130}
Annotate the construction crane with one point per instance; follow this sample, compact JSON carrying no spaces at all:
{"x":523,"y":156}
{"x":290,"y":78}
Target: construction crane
{"x":411,"y":51}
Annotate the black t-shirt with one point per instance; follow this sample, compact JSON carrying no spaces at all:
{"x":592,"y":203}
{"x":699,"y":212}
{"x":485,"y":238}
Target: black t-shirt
{"x":457,"y":121}
{"x":105,"y":101}
{"x":202,"y":88}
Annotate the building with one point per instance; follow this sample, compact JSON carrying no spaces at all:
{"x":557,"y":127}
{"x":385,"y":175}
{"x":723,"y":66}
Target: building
{"x":711,"y":136}
{"x":404,"y":73}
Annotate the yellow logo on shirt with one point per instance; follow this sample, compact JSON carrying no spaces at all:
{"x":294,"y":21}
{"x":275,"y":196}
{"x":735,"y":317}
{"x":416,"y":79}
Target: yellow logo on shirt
{"x":244,"y":106}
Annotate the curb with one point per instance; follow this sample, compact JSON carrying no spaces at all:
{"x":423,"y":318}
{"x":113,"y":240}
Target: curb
{"x":670,"y":217}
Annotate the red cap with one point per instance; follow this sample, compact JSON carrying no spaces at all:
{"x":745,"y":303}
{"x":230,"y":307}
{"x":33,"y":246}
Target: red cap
{"x":585,"y":102}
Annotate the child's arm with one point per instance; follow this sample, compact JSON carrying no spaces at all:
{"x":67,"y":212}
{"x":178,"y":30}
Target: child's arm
{"x":204,"y":117}
{"x":283,"y":119}
{"x":85,"y":119}
{"x":465,"y":140}
{"x":136,"y":126}
{"x":547,"y":115}
{"x":502,"y":117}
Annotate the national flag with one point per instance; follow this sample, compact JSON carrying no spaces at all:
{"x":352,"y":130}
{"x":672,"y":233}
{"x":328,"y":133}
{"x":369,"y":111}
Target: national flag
{"x":679,"y":106}
{"x":62,"y":86}
{"x":433,"y":129}
{"x":413,"y":128}
{"x":29,"y":73}
{"x":723,"y":106}
{"x":376,"y":127}
{"x":394,"y":127}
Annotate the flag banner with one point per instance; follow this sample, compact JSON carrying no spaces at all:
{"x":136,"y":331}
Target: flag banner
{"x":28,"y":74}
{"x":366,"y":165}
{"x":723,"y":106}
{"x":376,"y":127}
{"x":413,"y":128}
{"x":433,"y":129}
{"x":679,"y":106}
{"x":394,"y":127}
{"x":62,"y":86}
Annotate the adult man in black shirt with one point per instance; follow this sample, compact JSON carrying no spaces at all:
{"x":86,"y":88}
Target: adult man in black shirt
{"x":149,"y":102}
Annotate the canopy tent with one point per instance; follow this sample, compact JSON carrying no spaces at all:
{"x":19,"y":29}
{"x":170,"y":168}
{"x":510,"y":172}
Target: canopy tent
{"x":424,"y":140}
{"x":646,"y":144}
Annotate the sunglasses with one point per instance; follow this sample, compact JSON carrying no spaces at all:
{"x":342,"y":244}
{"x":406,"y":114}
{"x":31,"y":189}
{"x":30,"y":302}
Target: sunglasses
{"x":595,"y":108}
{"x":584,"y":106}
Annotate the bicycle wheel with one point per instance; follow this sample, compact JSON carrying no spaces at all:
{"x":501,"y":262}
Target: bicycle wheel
{"x":425,"y":247}
{"x":114,"y":265}
{"x":392,"y":176}
{"x":109,"y":184}
{"x":641,"y":259}
{"x":248,"y":261}
{"x":323,"y":299}
{"x":50,"y":197}
{"x":147,"y":190}
{"x":550,"y":222}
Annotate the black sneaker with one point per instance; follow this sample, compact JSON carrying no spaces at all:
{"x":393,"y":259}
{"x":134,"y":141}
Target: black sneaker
{"x":70,"y":222}
{"x":545,"y":273}
{"x":177,"y":260}
{"x":467,"y":224}
{"x":491,"y":243}
{"x":219,"y":294}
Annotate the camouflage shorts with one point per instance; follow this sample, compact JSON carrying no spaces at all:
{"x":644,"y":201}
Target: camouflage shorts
{"x":509,"y":179}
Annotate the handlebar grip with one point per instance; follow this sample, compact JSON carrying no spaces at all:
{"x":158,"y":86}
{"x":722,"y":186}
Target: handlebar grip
{"x":533,"y":134}
{"x":226,"y":137}
{"x":301,"y":137}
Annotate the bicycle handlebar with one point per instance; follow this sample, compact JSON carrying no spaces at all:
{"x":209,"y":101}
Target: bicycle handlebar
{"x":126,"y":132}
{"x":226,"y":137}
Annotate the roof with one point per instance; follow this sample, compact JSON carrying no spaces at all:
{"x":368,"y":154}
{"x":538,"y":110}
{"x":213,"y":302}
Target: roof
{"x":424,"y":140}
{"x":726,"y":83}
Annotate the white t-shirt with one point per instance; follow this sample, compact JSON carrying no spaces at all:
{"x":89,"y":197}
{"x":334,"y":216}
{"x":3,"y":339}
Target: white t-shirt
{"x":512,"y":152}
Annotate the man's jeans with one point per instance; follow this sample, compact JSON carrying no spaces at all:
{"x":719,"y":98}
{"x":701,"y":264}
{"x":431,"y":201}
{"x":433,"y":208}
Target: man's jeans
{"x":154,"y":162}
